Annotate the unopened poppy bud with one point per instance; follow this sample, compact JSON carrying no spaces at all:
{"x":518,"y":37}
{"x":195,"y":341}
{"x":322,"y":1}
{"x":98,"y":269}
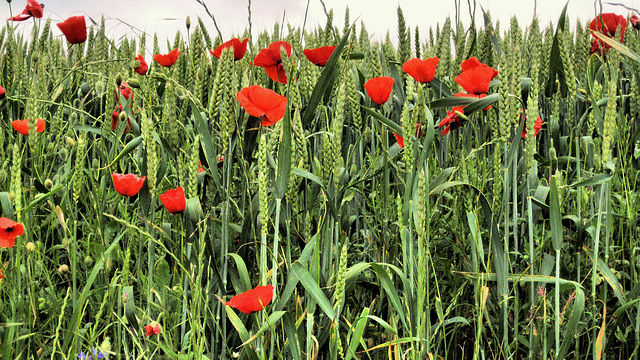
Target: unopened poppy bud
{"x":122,"y":116}
{"x":88,"y":260}
{"x":188,"y":22}
{"x":99,"y":86}
{"x":48,"y":184}
{"x":30,"y":246}
{"x":70,"y":141}
{"x":34,"y":58}
{"x":95,"y":164}
{"x":65,"y":243}
{"x":134,"y":83}
{"x":118,"y":79}
{"x":63,"y":269}
{"x":8,"y":1}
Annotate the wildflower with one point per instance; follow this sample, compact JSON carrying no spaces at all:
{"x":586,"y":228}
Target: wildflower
{"x":33,"y":8}
{"x":22,"y":126}
{"x":422,"y":70}
{"x":319,"y":56}
{"x":400,"y":139}
{"x":379,"y":89}
{"x":635,"y":21}
{"x":258,"y":101}
{"x":142,"y":67}
{"x":537,"y":126}
{"x":3,"y":93}
{"x":153,"y":329}
{"x":74,"y":29}
{"x":168,"y":59}
{"x":92,"y":355}
{"x":200,"y":168}
{"x":125,"y":90}
{"x":239,"y":48}
{"x":611,"y":24}
{"x":475,"y":76}
{"x":127,"y":184}
{"x":252,"y":300}
{"x":174,"y":200}
{"x":271,"y":61}
{"x":453,"y":120}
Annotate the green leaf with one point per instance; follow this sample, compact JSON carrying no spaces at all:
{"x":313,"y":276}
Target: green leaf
{"x":390,"y":289}
{"x":284,"y":158}
{"x":325,"y":80}
{"x":290,"y":330}
{"x":131,"y":145}
{"x":242,"y":331}
{"x":357,"y":333}
{"x":390,"y":123}
{"x":555,"y":67}
{"x":624,"y":50}
{"x":481,"y":104}
{"x":313,"y":289}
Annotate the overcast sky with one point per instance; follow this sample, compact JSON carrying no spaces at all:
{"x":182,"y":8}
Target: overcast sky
{"x":165,"y":17}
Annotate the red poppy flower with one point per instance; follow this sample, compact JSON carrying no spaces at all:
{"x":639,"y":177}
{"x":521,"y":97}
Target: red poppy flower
{"x":258,"y":101}
{"x":143,"y":67}
{"x":400,"y":139}
{"x":127,"y":184}
{"x":9,"y":230}
{"x":152,"y":330}
{"x":3,"y":93}
{"x":22,"y":126}
{"x":475,"y":76}
{"x":200,"y":168}
{"x":611,"y":24}
{"x":319,"y":56}
{"x":74,"y":29}
{"x":174,"y":200}
{"x":115,"y":116}
{"x":239,"y":48}
{"x":125,"y":90}
{"x":168,"y":59}
{"x":33,"y":8}
{"x":537,"y":126}
{"x":635,"y":21}
{"x":452,"y":120}
{"x":379,"y":89}
{"x":271,"y":61}
{"x":422,"y":70}
{"x":252,"y":300}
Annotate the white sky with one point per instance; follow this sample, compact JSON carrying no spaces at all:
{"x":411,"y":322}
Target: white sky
{"x":165,"y":17}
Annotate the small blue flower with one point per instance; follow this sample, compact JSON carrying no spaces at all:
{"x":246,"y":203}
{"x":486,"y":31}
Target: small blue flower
{"x":82,"y":356}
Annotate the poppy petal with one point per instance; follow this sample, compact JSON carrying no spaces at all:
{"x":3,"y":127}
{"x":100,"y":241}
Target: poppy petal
{"x":252,"y":300}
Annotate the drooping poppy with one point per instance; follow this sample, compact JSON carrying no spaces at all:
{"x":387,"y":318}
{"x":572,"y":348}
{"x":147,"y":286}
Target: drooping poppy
{"x":258,"y":101}
{"x":422,"y":70}
{"x":166,"y":60}
{"x":22,"y":126}
{"x":143,"y":67}
{"x":271,"y":60}
{"x":453,"y":120}
{"x":9,"y":231}
{"x":174,"y":200}
{"x":127,"y":184}
{"x":537,"y":126}
{"x":153,"y":329}
{"x":400,"y":139}
{"x":252,"y":300}
{"x":475,"y":76}
{"x":611,"y":24}
{"x":74,"y":29}
{"x":33,"y":8}
{"x":115,"y":116}
{"x":239,"y":48}
{"x":379,"y":89}
{"x":319,"y":56}
{"x":635,"y":21}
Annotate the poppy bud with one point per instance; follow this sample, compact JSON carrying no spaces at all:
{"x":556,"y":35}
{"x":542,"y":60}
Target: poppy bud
{"x":63,"y":269}
{"x":134,"y":83}
{"x":30,"y":246}
{"x":88,"y":260}
{"x":118,"y":79}
{"x":188,"y":22}
{"x":122,"y":116}
{"x":70,"y":141}
{"x":99,"y":86}
{"x":34,"y":58}
{"x":48,"y":184}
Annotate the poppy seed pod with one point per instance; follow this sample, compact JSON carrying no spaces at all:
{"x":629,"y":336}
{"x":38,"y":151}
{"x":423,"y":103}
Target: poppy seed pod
{"x":188,"y":22}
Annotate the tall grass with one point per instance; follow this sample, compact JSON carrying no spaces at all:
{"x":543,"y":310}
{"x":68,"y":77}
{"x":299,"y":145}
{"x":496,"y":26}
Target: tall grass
{"x":476,"y":244}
